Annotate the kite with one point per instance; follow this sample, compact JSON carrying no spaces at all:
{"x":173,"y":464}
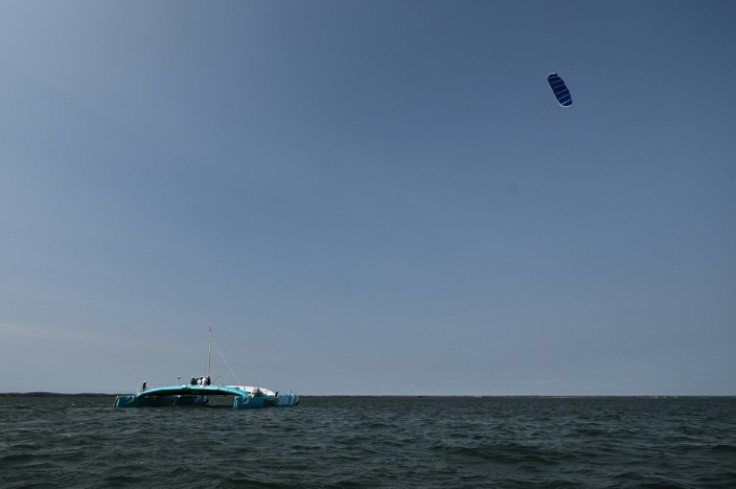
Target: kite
{"x":561,"y":92}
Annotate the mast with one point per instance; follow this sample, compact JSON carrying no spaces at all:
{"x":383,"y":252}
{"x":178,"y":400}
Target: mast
{"x":209,"y":351}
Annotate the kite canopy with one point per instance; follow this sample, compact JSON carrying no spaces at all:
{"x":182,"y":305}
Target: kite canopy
{"x":560,"y":90}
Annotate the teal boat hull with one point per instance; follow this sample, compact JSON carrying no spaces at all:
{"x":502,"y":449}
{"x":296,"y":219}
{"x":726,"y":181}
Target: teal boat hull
{"x":254,"y":402}
{"x":199,"y":395}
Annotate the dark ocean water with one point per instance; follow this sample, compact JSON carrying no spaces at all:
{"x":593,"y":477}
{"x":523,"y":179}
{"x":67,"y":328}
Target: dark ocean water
{"x":372,"y":442}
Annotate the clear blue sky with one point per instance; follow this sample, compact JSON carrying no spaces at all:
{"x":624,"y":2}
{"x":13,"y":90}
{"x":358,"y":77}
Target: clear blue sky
{"x":369,"y":197}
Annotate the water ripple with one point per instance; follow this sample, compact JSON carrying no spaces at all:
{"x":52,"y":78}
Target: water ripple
{"x":370,"y":442}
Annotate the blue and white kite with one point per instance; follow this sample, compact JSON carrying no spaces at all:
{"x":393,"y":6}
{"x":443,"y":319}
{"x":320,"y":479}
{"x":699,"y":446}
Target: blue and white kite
{"x":560,"y":90}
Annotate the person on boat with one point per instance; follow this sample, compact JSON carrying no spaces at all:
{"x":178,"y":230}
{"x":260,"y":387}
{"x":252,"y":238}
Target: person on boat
{"x":144,"y":386}
{"x":209,"y":382}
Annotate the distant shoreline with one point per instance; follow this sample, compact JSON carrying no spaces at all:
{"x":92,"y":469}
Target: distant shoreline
{"x":417,"y":396}
{"x":52,"y":394}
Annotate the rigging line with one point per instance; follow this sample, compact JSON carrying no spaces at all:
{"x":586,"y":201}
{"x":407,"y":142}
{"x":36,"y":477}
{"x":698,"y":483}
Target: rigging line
{"x":225,"y":360}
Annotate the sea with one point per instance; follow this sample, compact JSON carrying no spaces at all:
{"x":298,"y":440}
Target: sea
{"x":372,"y":442}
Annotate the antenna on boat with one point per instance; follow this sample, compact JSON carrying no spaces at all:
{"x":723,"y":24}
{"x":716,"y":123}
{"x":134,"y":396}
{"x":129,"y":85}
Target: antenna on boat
{"x":209,"y":351}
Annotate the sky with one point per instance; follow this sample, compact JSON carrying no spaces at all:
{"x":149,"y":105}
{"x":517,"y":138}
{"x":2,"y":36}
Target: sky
{"x":369,"y":197}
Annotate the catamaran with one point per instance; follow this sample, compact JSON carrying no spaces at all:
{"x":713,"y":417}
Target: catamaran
{"x":200,"y":389}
